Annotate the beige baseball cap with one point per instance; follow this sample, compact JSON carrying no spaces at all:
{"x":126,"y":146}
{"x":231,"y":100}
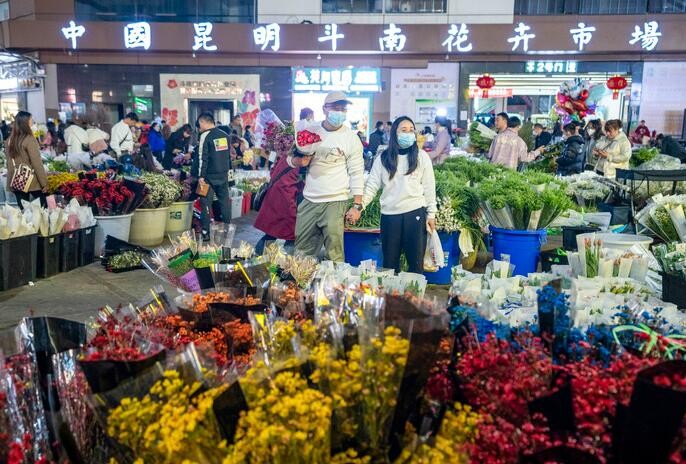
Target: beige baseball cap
{"x":336,"y":97}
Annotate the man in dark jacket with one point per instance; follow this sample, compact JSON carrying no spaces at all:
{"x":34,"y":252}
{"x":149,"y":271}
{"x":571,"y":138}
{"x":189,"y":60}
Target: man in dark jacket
{"x":214,"y":163}
{"x":669,"y":146}
{"x":376,"y":138}
{"x":543,"y":137}
{"x":571,"y":161}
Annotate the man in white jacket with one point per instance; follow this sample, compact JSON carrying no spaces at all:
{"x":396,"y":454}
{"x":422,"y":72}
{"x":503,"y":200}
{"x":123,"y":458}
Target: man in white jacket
{"x":122,"y":137}
{"x":336,"y":171}
{"x":76,"y":138}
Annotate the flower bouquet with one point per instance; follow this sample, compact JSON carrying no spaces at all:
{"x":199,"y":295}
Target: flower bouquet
{"x":307,"y":142}
{"x":161,"y":190}
{"x":105,"y":197}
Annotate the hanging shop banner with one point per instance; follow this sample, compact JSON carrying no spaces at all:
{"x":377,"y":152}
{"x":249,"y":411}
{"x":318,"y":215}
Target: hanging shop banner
{"x":532,"y":35}
{"x":177,"y":89}
{"x":350,"y":79}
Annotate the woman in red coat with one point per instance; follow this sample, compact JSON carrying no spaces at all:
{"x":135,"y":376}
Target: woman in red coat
{"x":276,"y":217}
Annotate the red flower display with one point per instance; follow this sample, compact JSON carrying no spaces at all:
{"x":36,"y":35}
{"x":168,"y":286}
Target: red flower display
{"x":307,"y":138}
{"x":106,"y":197}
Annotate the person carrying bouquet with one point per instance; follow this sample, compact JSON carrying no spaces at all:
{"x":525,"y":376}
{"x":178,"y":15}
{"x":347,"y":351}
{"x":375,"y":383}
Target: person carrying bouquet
{"x":408,"y":199}
{"x":336,"y":171}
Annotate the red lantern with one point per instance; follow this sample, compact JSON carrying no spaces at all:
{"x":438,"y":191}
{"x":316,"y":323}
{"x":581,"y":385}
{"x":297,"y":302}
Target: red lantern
{"x":485,"y":82}
{"x":616,"y":84}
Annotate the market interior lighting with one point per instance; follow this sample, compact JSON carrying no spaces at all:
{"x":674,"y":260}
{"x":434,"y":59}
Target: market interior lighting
{"x":441,"y":112}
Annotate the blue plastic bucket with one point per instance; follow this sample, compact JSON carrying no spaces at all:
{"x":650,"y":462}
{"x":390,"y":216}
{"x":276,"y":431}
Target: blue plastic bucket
{"x":451,"y":254}
{"x":360,"y":245}
{"x":523,"y":246}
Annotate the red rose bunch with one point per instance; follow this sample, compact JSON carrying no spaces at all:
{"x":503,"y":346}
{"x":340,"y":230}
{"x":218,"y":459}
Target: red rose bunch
{"x":106,"y":197}
{"x":307,"y":138}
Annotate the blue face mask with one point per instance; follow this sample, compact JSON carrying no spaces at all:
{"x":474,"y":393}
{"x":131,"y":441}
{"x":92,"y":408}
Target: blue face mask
{"x":406,"y":139}
{"x":336,"y":118}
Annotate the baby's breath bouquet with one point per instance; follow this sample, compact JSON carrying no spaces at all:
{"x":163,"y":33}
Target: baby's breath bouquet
{"x":162,"y":191}
{"x":446,"y":217}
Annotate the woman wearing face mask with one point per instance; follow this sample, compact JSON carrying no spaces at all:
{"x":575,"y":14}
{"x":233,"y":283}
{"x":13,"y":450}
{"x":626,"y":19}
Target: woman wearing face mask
{"x":408,"y":198}
{"x":593,"y":133}
{"x":23,"y":149}
{"x":156,"y":141}
{"x":613,"y":150}
{"x":571,"y":161}
{"x":442,"y":140}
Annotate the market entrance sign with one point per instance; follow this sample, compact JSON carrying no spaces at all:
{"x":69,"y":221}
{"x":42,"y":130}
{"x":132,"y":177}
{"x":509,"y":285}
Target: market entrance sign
{"x":548,"y":67}
{"x":526,"y":36}
{"x":342,"y":79}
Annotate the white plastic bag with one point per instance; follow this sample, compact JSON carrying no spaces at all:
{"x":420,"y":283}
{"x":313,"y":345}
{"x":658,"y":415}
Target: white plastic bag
{"x":433,"y":256}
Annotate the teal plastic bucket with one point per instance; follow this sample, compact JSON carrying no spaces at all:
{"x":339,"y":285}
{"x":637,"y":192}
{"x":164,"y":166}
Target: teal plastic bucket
{"x":451,"y":254}
{"x":360,"y":245}
{"x":523,"y":246}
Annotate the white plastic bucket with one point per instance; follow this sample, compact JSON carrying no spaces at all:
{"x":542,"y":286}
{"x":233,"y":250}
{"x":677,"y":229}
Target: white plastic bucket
{"x":116,"y":226}
{"x":179,"y":217}
{"x":147,"y":226}
{"x":236,"y":203}
{"x":619,"y":242}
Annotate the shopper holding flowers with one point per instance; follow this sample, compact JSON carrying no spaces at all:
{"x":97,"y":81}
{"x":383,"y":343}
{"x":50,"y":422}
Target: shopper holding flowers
{"x":408,"y":199}
{"x":336,"y":171}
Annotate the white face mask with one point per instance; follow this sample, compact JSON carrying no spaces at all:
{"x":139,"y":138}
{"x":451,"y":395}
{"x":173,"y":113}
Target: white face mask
{"x":590,"y":131}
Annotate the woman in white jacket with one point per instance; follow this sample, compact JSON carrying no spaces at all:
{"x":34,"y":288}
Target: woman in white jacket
{"x":613,"y":150}
{"x":408,"y":199}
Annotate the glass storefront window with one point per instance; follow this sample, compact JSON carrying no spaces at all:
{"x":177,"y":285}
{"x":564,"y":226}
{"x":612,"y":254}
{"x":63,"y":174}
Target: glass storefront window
{"x":218,"y":11}
{"x":667,"y":6}
{"x":539,"y":7}
{"x":416,"y":6}
{"x":352,"y":6}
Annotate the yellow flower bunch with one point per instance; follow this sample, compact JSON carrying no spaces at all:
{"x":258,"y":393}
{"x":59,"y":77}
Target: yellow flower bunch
{"x":350,"y":457}
{"x":173,"y":423}
{"x":55,"y":181}
{"x":341,"y":379}
{"x":290,"y":424}
{"x":459,"y":428}
{"x":382,"y":362}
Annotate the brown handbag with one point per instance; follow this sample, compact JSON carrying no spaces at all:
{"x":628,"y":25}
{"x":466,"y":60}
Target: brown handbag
{"x":202,"y":189}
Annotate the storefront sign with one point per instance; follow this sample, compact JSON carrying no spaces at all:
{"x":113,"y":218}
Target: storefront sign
{"x":549,"y":67}
{"x":330,"y":79}
{"x":495,"y":92}
{"x":206,"y":87}
{"x":527,"y":36}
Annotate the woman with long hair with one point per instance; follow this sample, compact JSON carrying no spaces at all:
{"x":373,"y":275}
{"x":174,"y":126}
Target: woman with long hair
{"x":177,"y":144}
{"x":592,"y":133}
{"x":408,"y":199}
{"x":23,"y":149}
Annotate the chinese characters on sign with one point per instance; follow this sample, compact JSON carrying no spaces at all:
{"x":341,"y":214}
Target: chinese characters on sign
{"x":203,"y":38}
{"x":393,"y":39}
{"x":73,"y":32}
{"x":264,"y":35}
{"x":582,"y":35}
{"x":329,"y":79}
{"x":521,"y":36}
{"x":551,"y":67}
{"x":331,"y":33}
{"x":137,"y":35}
{"x":457,"y":38}
{"x":649,"y":36}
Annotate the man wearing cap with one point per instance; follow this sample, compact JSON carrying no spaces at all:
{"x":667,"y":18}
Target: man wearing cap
{"x":336,"y":171}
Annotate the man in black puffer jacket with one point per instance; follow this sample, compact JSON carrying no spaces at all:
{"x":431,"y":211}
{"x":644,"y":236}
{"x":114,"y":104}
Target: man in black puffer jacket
{"x":214,"y":163}
{"x":571,"y":161}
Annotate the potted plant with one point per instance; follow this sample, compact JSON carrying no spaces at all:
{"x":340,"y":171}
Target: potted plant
{"x":180,"y":214}
{"x":150,"y":220}
{"x":112,"y":201}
